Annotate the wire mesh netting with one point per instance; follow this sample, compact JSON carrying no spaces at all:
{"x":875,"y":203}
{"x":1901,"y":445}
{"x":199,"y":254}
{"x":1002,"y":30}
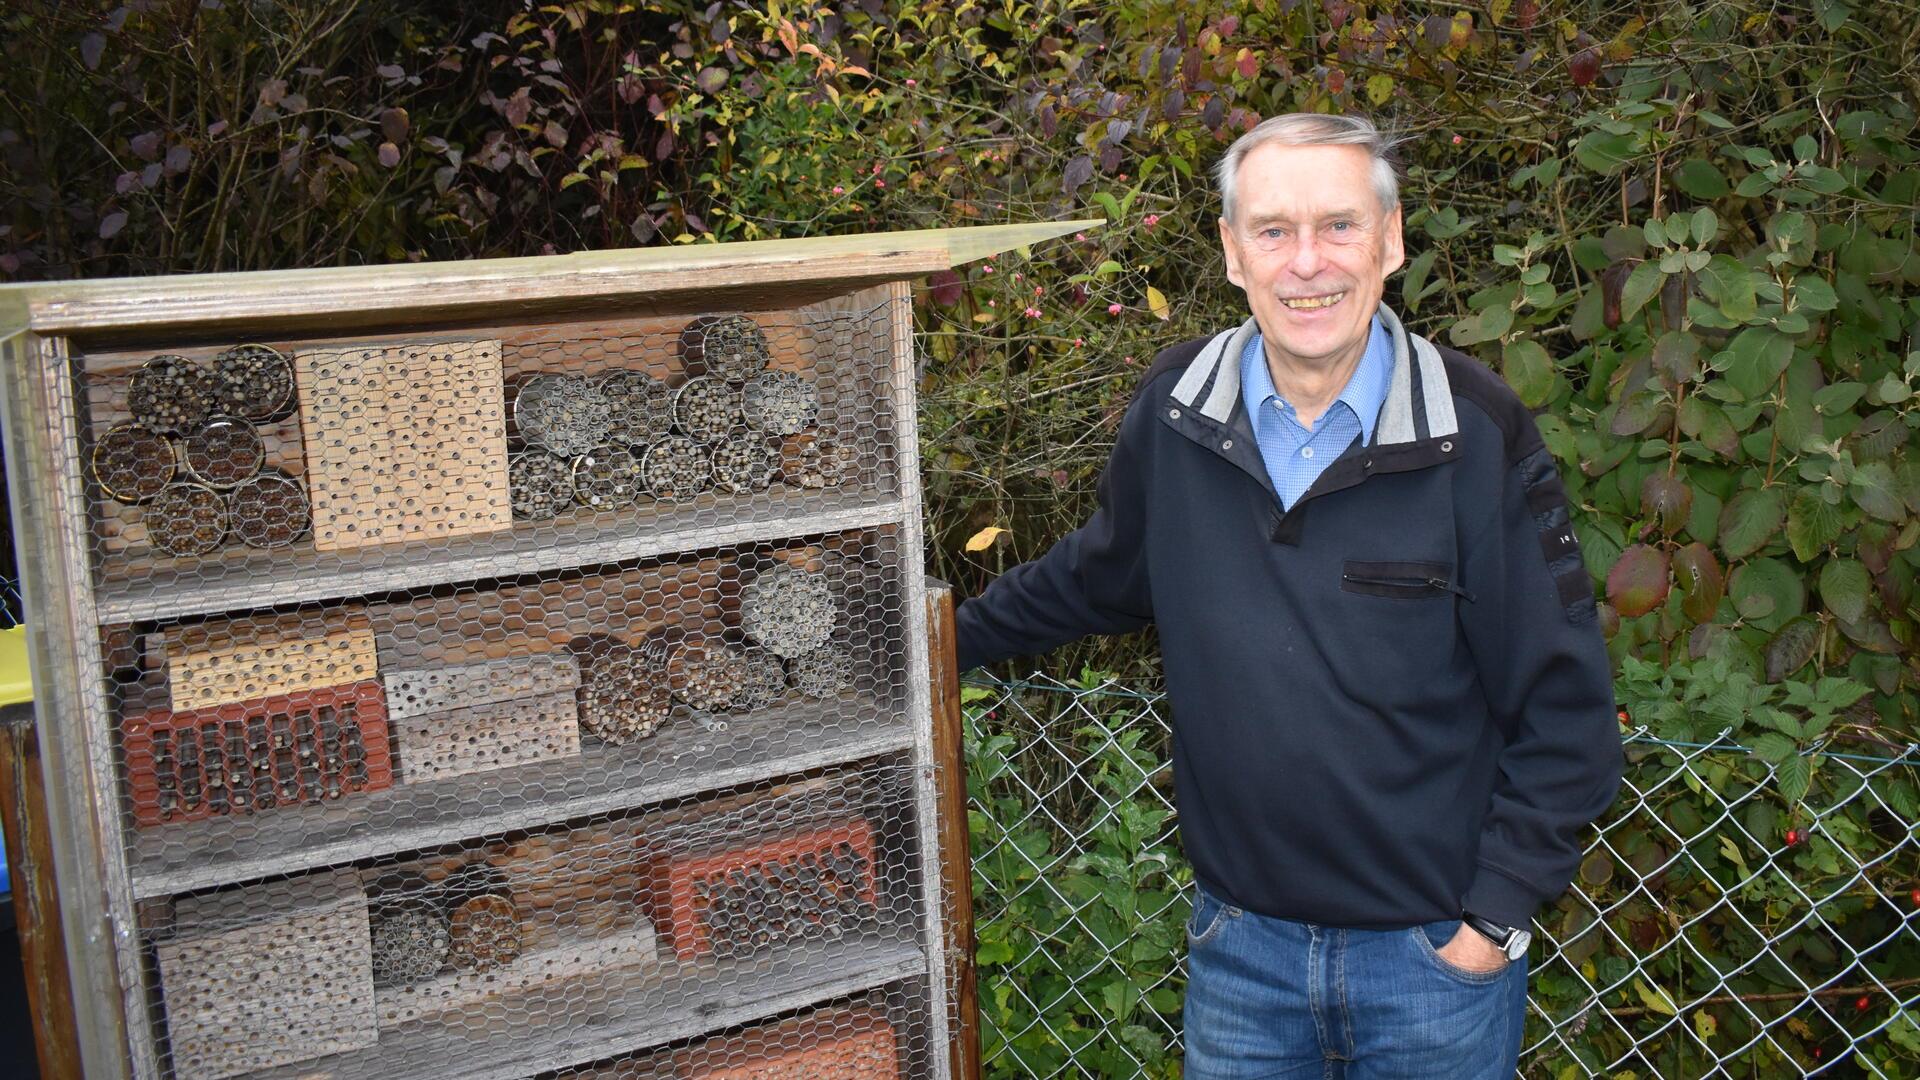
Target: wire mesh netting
{"x":235,"y":474}
{"x":487,"y":704}
{"x":1703,"y":936}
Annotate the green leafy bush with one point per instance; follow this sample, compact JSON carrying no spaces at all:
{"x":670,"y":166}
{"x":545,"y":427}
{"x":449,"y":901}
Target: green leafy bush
{"x":1081,"y":896}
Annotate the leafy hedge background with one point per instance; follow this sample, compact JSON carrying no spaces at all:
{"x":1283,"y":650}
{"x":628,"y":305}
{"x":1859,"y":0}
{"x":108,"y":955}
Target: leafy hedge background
{"x":1685,"y":234}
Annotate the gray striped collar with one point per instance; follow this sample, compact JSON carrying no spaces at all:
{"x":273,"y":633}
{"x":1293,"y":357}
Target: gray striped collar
{"x":1217,"y":366}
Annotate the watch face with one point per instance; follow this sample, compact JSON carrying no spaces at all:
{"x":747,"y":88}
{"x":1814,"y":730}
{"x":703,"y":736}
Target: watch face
{"x":1518,"y":943}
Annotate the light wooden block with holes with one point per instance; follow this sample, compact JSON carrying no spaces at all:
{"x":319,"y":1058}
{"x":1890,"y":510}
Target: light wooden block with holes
{"x":217,"y":663}
{"x":418,"y":690}
{"x":629,"y":946}
{"x":467,"y":718}
{"x":268,"y":974}
{"x":435,"y":746}
{"x":405,"y":442}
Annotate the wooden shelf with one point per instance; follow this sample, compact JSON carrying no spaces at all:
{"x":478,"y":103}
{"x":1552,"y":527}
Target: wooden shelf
{"x":604,"y":1014}
{"x":137,"y":589}
{"x":683,"y":759}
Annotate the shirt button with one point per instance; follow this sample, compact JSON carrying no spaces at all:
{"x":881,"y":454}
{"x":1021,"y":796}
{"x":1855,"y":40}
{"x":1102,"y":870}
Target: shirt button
{"x":1306,"y":451}
{"x":1228,"y":445}
{"x":1174,"y":413}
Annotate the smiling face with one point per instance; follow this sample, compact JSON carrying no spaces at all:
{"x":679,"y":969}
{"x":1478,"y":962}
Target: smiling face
{"x":1312,"y":248}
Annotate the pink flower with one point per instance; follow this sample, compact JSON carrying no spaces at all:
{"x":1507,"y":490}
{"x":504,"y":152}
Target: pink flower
{"x":876,"y":168}
{"x":988,"y":267}
{"x":1152,"y":220}
{"x":838,"y":190}
{"x":1032,"y":313}
{"x":1017,"y":275}
{"x":879,"y":183}
{"x":1077,"y":342}
{"x":913,"y":82}
{"x":993,"y":303}
{"x":1039,"y":290}
{"x":1457,"y":140}
{"x":1080,"y":237}
{"x":1114,"y":309}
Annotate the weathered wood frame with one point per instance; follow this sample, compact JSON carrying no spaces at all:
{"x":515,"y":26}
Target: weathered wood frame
{"x":43,"y":326}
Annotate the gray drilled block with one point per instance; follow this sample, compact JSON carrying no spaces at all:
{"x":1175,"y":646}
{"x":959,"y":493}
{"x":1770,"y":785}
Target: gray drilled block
{"x":456,"y":686}
{"x":629,"y":949}
{"x":267,"y":975}
{"x":493,"y":735}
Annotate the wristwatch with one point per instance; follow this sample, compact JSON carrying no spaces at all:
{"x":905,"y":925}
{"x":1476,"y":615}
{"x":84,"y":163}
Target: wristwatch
{"x":1512,"y":941}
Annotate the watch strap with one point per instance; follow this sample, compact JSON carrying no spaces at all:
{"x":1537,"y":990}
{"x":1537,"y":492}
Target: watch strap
{"x":1505,"y":937}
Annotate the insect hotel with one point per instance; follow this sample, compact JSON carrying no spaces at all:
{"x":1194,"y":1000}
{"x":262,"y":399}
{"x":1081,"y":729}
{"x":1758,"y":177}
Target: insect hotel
{"x":502,"y":669}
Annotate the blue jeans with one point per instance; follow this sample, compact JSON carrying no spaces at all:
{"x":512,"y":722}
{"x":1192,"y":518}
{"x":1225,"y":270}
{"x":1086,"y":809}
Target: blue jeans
{"x":1272,"y":997}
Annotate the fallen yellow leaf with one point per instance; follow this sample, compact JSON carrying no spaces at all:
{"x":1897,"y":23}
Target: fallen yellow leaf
{"x":1157,"y":303}
{"x":1655,"y":997}
{"x":984,"y":539}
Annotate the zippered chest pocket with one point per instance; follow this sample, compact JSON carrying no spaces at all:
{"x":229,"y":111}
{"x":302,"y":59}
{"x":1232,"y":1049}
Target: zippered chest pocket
{"x":1402,"y":580}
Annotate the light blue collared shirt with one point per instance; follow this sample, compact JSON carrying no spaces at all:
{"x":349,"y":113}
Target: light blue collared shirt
{"x":1294,"y":455}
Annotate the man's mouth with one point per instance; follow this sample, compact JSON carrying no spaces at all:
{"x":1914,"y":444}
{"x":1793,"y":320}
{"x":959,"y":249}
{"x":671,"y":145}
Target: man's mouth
{"x":1311,"y":303}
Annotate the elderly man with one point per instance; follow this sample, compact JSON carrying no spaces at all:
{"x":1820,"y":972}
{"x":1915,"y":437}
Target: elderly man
{"x":1392,"y":711}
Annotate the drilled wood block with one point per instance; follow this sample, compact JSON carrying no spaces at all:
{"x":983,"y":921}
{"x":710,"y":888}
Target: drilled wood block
{"x":242,"y":659}
{"x":268,"y":974}
{"x":245,"y":756}
{"x":493,"y":735}
{"x":404,"y":442}
{"x":630,"y":946}
{"x":417,"y":691}
{"x":851,"y":1044}
{"x":685,"y":886}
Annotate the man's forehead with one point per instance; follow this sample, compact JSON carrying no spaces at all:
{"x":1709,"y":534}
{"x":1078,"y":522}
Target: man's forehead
{"x":1304,"y":182}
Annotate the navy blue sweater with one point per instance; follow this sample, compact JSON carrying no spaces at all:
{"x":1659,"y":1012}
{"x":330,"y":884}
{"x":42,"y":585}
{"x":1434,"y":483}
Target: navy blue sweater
{"x":1390,"y":702}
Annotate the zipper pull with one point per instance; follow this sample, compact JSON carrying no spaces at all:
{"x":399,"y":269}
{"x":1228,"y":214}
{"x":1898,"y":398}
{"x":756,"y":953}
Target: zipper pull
{"x":1450,"y":587}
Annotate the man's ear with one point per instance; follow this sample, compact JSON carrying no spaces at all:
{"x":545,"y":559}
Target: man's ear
{"x":1230,"y":246}
{"x":1394,"y":250}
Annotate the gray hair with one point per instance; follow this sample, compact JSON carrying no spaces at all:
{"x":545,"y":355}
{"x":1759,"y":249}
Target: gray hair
{"x":1314,"y":129}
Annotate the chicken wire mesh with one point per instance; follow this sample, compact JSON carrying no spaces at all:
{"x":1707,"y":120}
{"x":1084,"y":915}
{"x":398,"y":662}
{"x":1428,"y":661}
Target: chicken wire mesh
{"x":449,"y":681}
{"x":1693,"y":943}
{"x":495,"y":956}
{"x":362,"y":462}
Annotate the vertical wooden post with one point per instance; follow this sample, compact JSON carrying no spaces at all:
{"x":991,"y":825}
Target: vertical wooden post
{"x":43,"y":950}
{"x":956,"y":859}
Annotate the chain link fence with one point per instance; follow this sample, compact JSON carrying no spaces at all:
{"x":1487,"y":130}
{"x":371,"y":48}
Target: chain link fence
{"x":1715,"y":927}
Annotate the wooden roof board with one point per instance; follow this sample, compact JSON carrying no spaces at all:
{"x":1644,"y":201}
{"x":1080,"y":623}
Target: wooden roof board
{"x":448,"y":290}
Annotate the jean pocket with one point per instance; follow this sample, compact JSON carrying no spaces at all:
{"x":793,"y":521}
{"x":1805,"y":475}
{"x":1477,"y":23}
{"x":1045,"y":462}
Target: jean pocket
{"x":1209,"y":915}
{"x":1431,"y":937}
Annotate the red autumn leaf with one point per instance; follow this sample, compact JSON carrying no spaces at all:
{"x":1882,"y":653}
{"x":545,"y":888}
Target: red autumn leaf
{"x":1667,"y":497}
{"x":1613,"y":283}
{"x":1584,"y":67}
{"x":945,"y":288}
{"x":1702,"y":583}
{"x":1638,"y":581}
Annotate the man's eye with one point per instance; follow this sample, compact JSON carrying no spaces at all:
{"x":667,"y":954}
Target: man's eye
{"x":1272,"y":234}
{"x":1343,"y":225}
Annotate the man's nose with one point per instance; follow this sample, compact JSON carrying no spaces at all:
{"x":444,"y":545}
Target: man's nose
{"x":1306,"y":260}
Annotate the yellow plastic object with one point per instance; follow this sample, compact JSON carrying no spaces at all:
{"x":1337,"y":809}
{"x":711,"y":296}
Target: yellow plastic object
{"x":16,"y":682}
